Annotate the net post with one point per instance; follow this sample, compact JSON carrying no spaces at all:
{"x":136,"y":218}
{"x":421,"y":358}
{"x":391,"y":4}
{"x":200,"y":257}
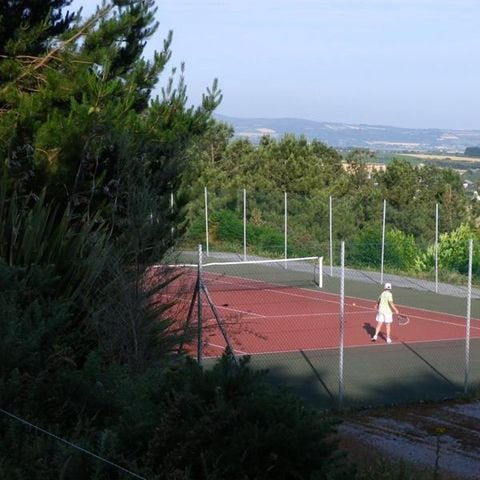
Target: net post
{"x":320,"y":272}
{"x":199,"y":306}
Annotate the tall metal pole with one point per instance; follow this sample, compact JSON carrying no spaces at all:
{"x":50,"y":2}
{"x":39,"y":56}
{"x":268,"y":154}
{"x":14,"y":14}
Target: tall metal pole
{"x":331,"y":235}
{"x":172,"y":230}
{"x":436,"y":247}
{"x":383,"y":239}
{"x":199,"y":306}
{"x":244,"y":224}
{"x":342,"y":323}
{"x":469,"y":304}
{"x":286,"y":228}
{"x":206,"y":222}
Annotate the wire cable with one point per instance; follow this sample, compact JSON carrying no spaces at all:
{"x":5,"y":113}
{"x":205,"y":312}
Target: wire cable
{"x":18,"y":419}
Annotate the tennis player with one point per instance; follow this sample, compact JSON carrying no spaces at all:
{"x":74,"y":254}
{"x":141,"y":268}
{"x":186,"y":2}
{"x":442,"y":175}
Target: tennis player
{"x":385,"y":309}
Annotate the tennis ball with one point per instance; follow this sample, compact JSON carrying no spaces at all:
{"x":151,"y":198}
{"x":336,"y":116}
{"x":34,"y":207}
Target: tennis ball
{"x":353,"y":304}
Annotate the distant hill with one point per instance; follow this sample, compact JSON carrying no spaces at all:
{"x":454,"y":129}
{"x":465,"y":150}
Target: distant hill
{"x":343,"y":135}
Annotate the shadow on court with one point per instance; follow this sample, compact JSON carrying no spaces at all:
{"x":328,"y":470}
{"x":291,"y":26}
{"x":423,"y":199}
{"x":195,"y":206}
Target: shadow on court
{"x":384,"y":375}
{"x":369,"y":329}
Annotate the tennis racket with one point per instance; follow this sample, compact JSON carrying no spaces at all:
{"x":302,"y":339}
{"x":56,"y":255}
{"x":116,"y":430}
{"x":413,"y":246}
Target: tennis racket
{"x":402,"y":319}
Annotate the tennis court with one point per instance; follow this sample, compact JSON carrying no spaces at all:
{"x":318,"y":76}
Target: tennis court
{"x":307,"y":338}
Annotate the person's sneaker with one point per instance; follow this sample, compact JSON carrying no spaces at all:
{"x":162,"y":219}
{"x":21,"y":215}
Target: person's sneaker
{"x":374,"y":338}
{"x":389,"y":340}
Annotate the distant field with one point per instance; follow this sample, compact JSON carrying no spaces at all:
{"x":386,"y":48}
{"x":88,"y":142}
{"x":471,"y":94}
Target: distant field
{"x":453,"y":158}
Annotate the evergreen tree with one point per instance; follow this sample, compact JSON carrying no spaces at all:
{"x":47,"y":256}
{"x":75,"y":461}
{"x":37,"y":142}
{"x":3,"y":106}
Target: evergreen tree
{"x":80,"y":120}
{"x":27,"y":27}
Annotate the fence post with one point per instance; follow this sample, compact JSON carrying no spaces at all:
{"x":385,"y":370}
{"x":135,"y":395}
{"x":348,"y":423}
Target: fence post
{"x":286,"y":227}
{"x":331,"y":234}
{"x":206,"y":221}
{"x":383,"y":239}
{"x":342,"y":323}
{"x":172,"y":228}
{"x":436,"y":247}
{"x":199,"y":306}
{"x":244,"y":224}
{"x":469,"y":304}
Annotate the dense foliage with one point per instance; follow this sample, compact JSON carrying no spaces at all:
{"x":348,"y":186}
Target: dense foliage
{"x":92,"y":384}
{"x":313,"y":175}
{"x":90,"y":161}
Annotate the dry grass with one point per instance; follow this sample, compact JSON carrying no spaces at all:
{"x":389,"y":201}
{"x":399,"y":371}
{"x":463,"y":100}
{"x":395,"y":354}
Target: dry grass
{"x":373,"y":464}
{"x":452,"y":158}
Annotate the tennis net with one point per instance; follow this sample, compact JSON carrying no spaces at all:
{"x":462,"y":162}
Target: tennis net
{"x":305,"y":272}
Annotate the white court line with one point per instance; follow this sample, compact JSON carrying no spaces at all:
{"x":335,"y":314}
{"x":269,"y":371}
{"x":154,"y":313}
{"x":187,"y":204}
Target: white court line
{"x":206,"y":304}
{"x":328,"y":314}
{"x":223,"y":348}
{"x":367,"y":345}
{"x":241,"y":311}
{"x":315,"y":292}
{"x":412,"y":317}
{"x":445,"y":322}
{"x":317,"y":297}
{"x":433,"y":312}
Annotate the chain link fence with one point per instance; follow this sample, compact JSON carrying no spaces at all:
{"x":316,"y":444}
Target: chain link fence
{"x":313,"y":335}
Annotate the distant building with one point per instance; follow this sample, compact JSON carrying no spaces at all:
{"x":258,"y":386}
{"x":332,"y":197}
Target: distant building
{"x":371,"y":167}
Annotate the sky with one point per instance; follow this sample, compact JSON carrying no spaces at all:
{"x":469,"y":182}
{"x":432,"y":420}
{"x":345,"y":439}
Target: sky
{"x":403,"y":63}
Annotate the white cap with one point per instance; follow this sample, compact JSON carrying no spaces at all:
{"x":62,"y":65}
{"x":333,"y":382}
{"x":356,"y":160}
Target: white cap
{"x":388,"y":286}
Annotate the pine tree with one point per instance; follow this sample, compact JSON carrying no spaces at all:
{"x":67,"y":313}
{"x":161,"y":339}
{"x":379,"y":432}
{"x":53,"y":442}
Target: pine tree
{"x":79,"y":119}
{"x":44,"y":19}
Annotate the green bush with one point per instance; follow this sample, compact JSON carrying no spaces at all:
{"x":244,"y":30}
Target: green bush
{"x":265,"y":239}
{"x":226,"y":227}
{"x":228,"y":423}
{"x":453,"y":252}
{"x":365,"y":249}
{"x":400,"y":250}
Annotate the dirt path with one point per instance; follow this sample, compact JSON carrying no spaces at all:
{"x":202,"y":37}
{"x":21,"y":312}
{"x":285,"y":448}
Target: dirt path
{"x":448,"y":434}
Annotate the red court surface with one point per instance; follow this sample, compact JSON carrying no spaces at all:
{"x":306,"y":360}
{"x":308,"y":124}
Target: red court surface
{"x":272,"y":319}
{"x":286,"y":320}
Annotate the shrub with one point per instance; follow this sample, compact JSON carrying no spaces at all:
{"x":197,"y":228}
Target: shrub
{"x":400,"y":250}
{"x":453,"y":251}
{"x":228,"y":423}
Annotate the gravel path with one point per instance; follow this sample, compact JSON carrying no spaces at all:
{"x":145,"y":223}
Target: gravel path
{"x":424,"y":434}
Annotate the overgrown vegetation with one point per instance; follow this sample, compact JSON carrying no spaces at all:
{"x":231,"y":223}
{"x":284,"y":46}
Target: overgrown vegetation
{"x":91,"y":381}
{"x":88,"y":346}
{"x":313,"y":175}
